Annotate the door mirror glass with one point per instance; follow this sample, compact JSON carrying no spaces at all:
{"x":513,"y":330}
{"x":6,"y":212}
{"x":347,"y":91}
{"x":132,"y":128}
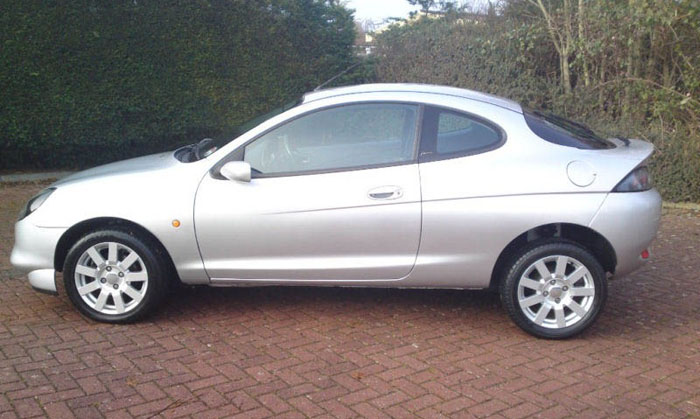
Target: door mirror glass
{"x":236,"y":170}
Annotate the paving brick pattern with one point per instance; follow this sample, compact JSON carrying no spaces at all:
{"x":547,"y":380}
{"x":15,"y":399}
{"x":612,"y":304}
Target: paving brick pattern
{"x":306,"y":352}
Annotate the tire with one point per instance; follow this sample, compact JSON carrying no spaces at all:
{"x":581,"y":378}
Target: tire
{"x":115,"y":276}
{"x":554,"y":289}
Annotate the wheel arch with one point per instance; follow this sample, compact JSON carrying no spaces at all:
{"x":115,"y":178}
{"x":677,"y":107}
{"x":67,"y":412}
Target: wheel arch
{"x":584,"y":236}
{"x":73,"y":234}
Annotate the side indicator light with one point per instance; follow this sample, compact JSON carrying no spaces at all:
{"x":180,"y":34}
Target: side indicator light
{"x":645,"y":254}
{"x":176,"y":223}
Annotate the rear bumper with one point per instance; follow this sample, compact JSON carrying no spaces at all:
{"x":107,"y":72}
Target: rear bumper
{"x":33,"y":253}
{"x":630,"y":222}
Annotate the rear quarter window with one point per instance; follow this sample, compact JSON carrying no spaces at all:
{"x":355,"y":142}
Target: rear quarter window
{"x":562,"y":131}
{"x":448,"y":134}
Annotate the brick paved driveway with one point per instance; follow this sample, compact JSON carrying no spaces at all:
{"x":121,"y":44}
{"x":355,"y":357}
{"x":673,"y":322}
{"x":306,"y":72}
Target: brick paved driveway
{"x":301,"y":352}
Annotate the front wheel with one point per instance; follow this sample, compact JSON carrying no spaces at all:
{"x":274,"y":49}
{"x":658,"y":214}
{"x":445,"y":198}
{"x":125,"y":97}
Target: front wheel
{"x":554,"y":290}
{"x":114,"y":276}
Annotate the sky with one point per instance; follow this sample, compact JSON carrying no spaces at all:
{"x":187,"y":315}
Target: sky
{"x":378,"y":10}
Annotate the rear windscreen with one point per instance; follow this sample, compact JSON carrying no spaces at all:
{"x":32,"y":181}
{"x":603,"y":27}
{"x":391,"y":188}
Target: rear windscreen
{"x":562,"y":131}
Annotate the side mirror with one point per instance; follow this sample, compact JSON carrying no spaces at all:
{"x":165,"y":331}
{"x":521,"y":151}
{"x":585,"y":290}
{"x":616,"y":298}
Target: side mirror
{"x":236,"y":170}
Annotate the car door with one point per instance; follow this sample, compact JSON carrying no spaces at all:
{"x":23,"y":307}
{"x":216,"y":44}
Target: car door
{"x":334,"y":195}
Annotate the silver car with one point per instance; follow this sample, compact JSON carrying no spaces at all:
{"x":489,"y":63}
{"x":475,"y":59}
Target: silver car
{"x":385,"y":185}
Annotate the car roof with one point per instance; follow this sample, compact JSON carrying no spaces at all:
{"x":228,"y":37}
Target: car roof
{"x":414,"y":88}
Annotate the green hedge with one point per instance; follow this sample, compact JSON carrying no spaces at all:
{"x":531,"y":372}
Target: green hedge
{"x":87,"y":82}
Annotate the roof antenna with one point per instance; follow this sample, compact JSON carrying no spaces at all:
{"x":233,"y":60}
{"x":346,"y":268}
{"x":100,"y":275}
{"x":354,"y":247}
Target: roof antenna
{"x":320,"y":86}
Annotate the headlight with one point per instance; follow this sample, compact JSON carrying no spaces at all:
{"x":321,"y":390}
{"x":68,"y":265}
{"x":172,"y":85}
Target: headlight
{"x":35,"y":202}
{"x":638,"y":180}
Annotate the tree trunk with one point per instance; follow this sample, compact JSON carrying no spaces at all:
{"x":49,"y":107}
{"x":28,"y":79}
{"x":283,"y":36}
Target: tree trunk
{"x":562,"y":41}
{"x":631,"y":55}
{"x":601,"y":90}
{"x":582,"y":42}
{"x":565,"y":72}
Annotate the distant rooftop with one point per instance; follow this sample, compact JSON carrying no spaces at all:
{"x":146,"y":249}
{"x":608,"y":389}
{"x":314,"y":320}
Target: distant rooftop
{"x":417,"y":88}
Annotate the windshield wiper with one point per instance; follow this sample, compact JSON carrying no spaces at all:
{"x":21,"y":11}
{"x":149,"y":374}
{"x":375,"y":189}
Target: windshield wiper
{"x":624,"y":140}
{"x":570,"y":123}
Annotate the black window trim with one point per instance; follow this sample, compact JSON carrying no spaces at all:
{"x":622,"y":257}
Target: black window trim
{"x":428,"y":148}
{"x":238,"y":153}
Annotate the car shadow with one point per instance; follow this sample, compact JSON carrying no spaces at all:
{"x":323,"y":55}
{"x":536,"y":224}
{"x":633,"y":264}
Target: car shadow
{"x":344,"y":304}
{"x":629,"y":314}
{"x":625,"y":315}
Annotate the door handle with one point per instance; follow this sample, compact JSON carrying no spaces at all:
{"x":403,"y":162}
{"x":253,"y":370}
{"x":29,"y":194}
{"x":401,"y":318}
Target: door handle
{"x":385,"y":192}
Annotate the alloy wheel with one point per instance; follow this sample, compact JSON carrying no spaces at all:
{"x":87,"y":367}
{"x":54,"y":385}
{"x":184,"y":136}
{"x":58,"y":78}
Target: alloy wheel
{"x":111,"y":278}
{"x":556,"y":292}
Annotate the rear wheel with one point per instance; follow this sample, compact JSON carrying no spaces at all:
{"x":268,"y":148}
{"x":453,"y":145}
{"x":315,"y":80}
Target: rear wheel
{"x":114,"y":276}
{"x":554,"y":289}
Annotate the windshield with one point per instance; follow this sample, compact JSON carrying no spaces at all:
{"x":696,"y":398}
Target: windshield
{"x":562,"y":131}
{"x":204,"y":148}
{"x":254,"y":122}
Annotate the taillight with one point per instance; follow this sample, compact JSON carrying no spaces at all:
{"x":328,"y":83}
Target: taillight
{"x":638,"y":180}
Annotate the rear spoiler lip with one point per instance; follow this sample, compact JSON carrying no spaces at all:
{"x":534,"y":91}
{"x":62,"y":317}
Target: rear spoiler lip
{"x":630,"y":149}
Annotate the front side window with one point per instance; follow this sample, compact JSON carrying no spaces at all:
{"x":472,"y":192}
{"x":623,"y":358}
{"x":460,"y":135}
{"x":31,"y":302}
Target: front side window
{"x":448,"y":133}
{"x":342,"y":137}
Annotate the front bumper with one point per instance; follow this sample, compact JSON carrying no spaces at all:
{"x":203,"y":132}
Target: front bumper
{"x":630,"y":222}
{"x":34,"y":251}
{"x":43,"y":280}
